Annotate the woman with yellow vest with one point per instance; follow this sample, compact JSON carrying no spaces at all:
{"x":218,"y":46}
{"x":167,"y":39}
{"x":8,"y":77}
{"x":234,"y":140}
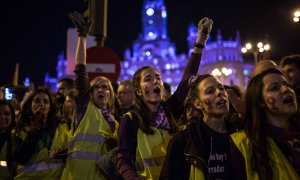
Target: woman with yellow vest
{"x":145,"y":132}
{"x":7,"y":123}
{"x":94,"y":122}
{"x":269,"y":146}
{"x":39,"y":138}
{"x":201,"y":150}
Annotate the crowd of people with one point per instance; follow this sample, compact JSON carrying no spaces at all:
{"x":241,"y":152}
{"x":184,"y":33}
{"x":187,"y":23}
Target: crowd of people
{"x":139,"y":129}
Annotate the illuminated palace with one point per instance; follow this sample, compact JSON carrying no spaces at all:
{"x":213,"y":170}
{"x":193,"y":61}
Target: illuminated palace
{"x":153,"y":47}
{"x":222,"y":58}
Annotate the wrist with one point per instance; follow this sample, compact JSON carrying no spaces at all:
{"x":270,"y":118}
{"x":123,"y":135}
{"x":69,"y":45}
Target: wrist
{"x":202,"y":39}
{"x":199,"y":46}
{"x":197,"y":50}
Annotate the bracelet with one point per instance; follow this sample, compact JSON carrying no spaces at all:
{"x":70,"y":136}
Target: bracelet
{"x":200,"y":46}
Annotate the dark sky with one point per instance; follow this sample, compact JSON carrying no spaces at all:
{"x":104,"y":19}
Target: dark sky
{"x":33,"y":33}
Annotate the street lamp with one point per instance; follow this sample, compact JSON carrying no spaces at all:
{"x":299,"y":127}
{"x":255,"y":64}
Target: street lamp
{"x":296,"y":16}
{"x":222,"y":73}
{"x":260,"y":47}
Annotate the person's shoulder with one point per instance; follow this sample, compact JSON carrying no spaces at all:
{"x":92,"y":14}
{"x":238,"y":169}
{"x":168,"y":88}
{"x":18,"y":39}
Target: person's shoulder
{"x":130,"y":119}
{"x":239,"y":137}
{"x":180,"y":137}
{"x":130,"y":116}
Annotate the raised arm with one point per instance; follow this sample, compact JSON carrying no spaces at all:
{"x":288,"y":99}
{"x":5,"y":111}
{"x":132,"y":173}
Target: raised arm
{"x":83,"y":27}
{"x":191,"y":69}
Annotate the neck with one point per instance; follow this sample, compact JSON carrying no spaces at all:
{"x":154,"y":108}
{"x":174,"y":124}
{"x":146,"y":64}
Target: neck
{"x":216,"y":123}
{"x":277,"y":120}
{"x":126,"y":107}
{"x":153,"y":106}
{"x":102,"y":106}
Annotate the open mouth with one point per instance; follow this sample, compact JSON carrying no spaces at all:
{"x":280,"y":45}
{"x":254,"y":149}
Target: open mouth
{"x":222,"y":102}
{"x":157,"y":90}
{"x":288,"y":99}
{"x":100,"y":96}
{"x":40,"y":110}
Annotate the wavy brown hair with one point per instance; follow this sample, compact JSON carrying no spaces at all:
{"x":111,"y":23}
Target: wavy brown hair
{"x":142,"y":110}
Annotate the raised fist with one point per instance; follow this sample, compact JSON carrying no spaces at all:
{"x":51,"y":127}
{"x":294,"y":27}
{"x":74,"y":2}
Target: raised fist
{"x":83,"y":25}
{"x":204,"y":28}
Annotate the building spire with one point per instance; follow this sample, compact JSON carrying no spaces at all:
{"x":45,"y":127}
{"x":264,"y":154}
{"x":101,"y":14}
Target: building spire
{"x":219,"y":35}
{"x":154,"y":20}
{"x":237,"y":36}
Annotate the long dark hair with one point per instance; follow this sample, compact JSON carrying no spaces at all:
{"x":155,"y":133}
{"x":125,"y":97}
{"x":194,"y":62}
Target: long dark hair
{"x":256,"y":126}
{"x":142,"y":110}
{"x":27,"y":114}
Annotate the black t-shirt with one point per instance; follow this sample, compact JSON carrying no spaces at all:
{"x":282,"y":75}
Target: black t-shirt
{"x":217,"y":153}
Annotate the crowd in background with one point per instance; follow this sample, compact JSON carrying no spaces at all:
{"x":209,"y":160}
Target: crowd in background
{"x":139,"y":129}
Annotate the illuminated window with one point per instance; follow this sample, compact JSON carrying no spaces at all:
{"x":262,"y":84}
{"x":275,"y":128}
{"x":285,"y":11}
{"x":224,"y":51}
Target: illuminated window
{"x":150,"y":12}
{"x":163,"y":14}
{"x":245,"y":72}
{"x":168,"y":66}
{"x":150,"y":34}
{"x":147,"y":53}
{"x":126,"y":64}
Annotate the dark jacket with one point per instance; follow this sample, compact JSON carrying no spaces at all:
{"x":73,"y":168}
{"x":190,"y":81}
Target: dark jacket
{"x":187,"y":147}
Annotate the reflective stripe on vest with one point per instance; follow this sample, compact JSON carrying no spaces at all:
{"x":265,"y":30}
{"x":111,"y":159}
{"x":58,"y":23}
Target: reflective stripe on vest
{"x":84,"y":155}
{"x":85,"y":143}
{"x":3,"y":164}
{"x":151,"y":152}
{"x":39,"y":167}
{"x":146,"y":163}
{"x":86,"y":138}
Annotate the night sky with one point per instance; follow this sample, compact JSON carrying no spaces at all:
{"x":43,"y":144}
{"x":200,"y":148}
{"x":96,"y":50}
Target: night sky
{"x":33,"y":33}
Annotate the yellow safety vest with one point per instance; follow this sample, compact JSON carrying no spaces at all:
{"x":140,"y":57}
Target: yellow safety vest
{"x":84,"y":146}
{"x":151,"y":152}
{"x":40,"y":166}
{"x":282,"y":168}
{"x":196,"y":173}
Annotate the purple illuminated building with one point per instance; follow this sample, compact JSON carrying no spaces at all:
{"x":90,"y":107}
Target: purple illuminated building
{"x":153,"y":47}
{"x":222,"y":58}
{"x":61,"y":71}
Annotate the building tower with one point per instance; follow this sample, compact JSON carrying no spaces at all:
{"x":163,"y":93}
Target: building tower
{"x":153,"y":47}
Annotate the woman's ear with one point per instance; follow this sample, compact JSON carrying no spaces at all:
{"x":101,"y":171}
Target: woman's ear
{"x":198,"y":104}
